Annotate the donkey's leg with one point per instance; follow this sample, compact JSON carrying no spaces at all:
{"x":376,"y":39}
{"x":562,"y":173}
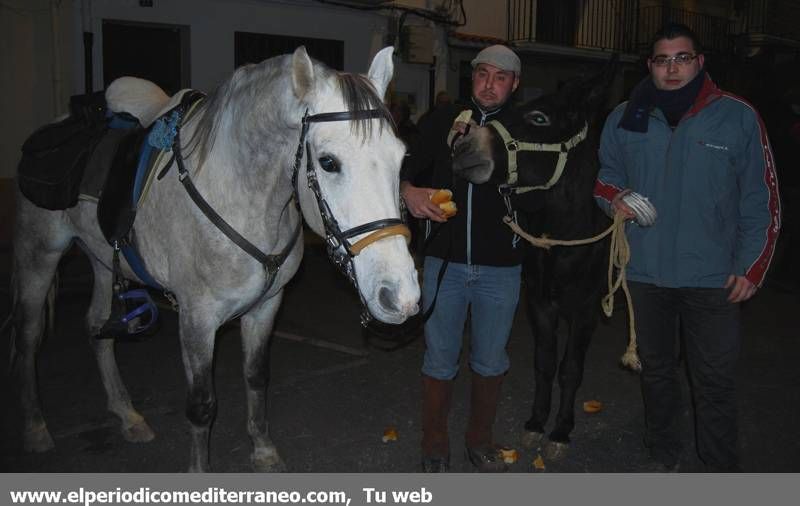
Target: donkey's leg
{"x":256,"y":329}
{"x":134,"y":427}
{"x":544,"y":321}
{"x":570,"y":376}
{"x":197,"y":332}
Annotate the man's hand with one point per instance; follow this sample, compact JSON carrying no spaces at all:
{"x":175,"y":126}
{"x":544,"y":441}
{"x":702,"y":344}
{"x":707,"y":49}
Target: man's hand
{"x":418,"y":202}
{"x":621,"y":207}
{"x":741,"y":288}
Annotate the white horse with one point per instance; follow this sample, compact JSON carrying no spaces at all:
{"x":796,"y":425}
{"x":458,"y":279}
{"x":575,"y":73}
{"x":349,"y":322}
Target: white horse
{"x":238,"y":149}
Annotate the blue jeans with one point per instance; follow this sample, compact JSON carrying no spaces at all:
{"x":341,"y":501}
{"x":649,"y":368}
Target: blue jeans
{"x":491,"y":295}
{"x":711,"y":340}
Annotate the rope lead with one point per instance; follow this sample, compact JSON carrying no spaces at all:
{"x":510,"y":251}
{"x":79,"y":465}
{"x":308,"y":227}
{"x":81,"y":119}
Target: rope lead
{"x":618,"y":258}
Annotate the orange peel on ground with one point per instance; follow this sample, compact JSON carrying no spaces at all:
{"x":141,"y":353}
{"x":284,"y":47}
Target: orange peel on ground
{"x":509,"y":455}
{"x":389,"y":434}
{"x":592,"y":406}
{"x":538,"y":463}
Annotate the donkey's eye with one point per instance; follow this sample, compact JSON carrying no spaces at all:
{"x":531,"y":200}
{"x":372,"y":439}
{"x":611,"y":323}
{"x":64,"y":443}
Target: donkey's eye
{"x":537,"y":118}
{"x":329,"y":164}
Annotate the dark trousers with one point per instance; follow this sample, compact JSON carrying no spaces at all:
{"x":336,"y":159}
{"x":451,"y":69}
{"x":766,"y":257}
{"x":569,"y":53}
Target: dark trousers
{"x":711,"y":339}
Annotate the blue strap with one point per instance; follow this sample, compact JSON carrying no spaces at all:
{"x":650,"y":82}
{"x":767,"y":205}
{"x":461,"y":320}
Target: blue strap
{"x":137,"y":264}
{"x":160,"y":138}
{"x":122,"y":121}
{"x":142,"y":170}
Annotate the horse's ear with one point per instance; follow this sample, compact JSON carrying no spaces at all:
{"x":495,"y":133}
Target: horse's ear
{"x":381,"y":70}
{"x":302,"y":72}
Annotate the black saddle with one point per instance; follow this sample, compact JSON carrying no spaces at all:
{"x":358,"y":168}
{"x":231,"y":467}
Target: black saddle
{"x":116,"y":209}
{"x":54,"y":156}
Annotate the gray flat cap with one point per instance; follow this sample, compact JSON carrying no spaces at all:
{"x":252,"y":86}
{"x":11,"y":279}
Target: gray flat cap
{"x":499,"y":56}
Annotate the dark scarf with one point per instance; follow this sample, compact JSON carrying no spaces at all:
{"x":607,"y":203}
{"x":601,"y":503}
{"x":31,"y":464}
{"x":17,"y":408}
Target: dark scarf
{"x":673,"y":103}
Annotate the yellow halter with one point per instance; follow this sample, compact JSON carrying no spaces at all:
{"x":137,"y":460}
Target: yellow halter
{"x":513,"y":146}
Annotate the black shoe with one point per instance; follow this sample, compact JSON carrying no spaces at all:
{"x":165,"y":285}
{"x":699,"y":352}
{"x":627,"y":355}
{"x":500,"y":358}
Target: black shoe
{"x":433,"y":464}
{"x":487,"y":459}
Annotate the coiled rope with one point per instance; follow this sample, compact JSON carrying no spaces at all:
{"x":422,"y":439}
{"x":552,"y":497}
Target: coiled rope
{"x":618,"y":258}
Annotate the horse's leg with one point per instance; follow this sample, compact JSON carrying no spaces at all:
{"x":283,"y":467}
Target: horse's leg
{"x":544,"y":321}
{"x":39,"y":242}
{"x":197,"y":332}
{"x":134,"y":427}
{"x":256,"y":329}
{"x":582,"y":324}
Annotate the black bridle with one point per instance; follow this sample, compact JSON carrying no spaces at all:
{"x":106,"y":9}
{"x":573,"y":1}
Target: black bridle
{"x":340,"y":250}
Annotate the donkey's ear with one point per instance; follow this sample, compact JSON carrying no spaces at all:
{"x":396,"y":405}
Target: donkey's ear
{"x":597,"y":88}
{"x":381,"y":70}
{"x":302,"y":72}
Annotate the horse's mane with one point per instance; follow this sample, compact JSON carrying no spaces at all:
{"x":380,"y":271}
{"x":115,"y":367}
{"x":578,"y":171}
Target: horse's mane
{"x":359,"y":94}
{"x":357,"y":91}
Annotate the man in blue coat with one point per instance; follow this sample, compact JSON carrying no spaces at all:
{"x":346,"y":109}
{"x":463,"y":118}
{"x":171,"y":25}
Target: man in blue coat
{"x":692,"y":167}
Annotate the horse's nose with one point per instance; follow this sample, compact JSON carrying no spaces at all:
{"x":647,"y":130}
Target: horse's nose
{"x":388,"y":300}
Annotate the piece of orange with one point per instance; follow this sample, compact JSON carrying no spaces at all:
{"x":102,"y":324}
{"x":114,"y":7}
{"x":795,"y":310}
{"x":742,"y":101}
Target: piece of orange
{"x":592,"y":406}
{"x":510,"y":455}
{"x":538,"y":463}
{"x":449,"y":208}
{"x":389,"y":434}
{"x":442,"y":196}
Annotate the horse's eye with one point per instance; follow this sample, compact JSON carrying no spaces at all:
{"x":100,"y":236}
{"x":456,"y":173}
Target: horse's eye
{"x":537,"y":118}
{"x":329,"y":164}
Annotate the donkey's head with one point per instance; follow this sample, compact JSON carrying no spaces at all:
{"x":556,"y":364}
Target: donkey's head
{"x":556,"y":120}
{"x":352,"y":159}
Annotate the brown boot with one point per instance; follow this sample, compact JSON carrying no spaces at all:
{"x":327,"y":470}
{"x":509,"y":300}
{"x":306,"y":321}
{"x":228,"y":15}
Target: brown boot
{"x":481,"y":450}
{"x":436,"y":398}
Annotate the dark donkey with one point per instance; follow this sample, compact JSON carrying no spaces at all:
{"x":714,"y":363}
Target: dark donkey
{"x":565,"y":281}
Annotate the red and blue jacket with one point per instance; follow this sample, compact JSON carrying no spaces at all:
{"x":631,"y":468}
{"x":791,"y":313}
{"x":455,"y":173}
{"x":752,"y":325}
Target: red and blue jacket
{"x":712,"y":181}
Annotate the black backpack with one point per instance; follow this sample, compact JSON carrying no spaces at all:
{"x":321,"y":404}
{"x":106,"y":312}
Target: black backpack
{"x":54,"y":156}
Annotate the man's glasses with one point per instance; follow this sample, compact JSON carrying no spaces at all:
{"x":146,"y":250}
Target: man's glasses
{"x":678,"y":59}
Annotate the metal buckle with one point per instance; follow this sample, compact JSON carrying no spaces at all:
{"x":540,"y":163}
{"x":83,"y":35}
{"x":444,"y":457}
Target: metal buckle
{"x":512,"y":145}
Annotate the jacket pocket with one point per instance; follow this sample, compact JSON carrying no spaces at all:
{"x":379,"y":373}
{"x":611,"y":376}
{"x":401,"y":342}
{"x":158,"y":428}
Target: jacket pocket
{"x":712,"y":161}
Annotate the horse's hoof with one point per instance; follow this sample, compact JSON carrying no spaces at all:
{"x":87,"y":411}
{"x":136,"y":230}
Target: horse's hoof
{"x":38,"y":440}
{"x":267,"y":461}
{"x":138,"y":433}
{"x":554,"y":450}
{"x":531,"y":439}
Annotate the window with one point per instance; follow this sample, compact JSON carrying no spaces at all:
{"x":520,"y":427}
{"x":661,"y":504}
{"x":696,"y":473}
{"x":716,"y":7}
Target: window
{"x":255,"y":47}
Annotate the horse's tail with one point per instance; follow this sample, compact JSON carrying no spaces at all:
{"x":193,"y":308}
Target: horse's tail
{"x":50,"y":307}
{"x":9,"y":322}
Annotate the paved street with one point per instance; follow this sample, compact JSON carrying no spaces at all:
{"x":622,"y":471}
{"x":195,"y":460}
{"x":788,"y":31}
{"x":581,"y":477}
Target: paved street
{"x":331,"y":398}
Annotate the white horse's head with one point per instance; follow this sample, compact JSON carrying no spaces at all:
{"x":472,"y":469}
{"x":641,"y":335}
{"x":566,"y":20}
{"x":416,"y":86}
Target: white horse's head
{"x":357,"y":164}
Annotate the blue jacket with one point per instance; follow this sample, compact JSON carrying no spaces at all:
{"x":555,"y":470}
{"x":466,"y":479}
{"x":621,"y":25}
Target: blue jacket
{"x":712,"y":181}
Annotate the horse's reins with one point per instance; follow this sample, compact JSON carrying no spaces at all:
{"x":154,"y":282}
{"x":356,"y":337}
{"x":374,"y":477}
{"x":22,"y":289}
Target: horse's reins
{"x":271,"y":263}
{"x":340,"y":250}
{"x":619,"y":254}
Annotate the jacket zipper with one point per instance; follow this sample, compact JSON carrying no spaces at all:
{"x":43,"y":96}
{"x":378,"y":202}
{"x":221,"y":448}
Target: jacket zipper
{"x":484,"y":115}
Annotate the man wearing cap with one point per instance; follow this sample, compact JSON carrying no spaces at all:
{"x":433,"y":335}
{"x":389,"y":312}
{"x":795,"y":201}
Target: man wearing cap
{"x":482,"y":274}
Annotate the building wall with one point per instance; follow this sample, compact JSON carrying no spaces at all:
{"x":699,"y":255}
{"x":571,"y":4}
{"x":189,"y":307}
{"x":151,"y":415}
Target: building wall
{"x":35,"y":42}
{"x":42,"y":56}
{"x":27,"y":93}
{"x":486,"y":18}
